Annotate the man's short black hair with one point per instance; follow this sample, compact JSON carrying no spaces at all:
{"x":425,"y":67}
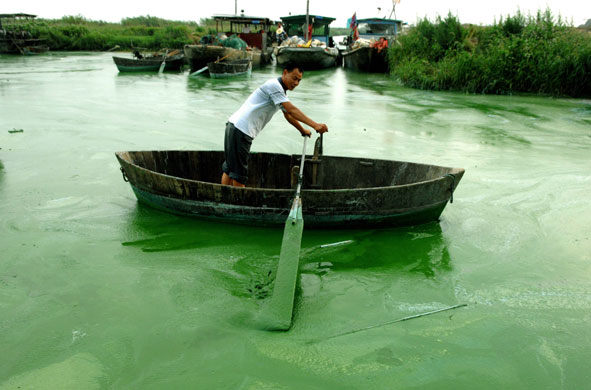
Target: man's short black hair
{"x":291,"y":65}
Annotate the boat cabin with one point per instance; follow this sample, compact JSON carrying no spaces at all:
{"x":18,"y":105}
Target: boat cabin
{"x":251,"y":29}
{"x":376,"y":27}
{"x":296,"y":25}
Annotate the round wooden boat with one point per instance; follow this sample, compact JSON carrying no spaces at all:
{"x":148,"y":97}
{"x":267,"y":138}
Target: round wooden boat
{"x":220,"y":70}
{"x":338,"y":192}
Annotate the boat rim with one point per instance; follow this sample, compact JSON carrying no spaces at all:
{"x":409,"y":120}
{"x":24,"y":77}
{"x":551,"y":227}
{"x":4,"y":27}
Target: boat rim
{"x":453,"y":171}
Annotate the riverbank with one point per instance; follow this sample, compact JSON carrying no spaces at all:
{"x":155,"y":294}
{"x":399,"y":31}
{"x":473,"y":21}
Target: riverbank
{"x":75,"y":33}
{"x":538,"y":54}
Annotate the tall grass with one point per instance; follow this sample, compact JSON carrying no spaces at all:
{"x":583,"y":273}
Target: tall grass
{"x":77,"y":33}
{"x":538,"y":54}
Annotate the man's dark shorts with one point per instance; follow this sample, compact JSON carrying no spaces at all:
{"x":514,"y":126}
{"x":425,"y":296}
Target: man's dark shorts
{"x":236,"y":150}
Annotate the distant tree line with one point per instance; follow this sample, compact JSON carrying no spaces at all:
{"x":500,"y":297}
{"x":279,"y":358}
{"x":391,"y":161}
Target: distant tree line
{"x":72,"y":33}
{"x":536,"y":54}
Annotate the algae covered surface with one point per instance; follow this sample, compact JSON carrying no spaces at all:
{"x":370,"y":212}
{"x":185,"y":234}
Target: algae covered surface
{"x":98,"y":291}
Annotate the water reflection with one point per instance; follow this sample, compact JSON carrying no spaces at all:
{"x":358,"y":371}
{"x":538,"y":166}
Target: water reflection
{"x":237,"y":259}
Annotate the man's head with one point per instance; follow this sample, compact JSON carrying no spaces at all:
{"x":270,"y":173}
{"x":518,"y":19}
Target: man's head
{"x":292,"y":75}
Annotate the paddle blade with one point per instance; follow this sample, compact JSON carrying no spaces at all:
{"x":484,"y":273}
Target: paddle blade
{"x":278,"y":312}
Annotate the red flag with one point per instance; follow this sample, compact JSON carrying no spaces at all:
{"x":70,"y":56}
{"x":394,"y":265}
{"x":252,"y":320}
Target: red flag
{"x":353,"y":21}
{"x":353,"y":26}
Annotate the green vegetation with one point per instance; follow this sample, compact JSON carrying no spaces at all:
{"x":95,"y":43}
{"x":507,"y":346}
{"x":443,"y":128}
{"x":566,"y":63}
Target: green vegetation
{"x":78,"y":33}
{"x":538,"y":54}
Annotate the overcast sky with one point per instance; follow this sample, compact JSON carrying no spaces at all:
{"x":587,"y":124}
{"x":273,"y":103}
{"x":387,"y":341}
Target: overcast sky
{"x":476,"y":12}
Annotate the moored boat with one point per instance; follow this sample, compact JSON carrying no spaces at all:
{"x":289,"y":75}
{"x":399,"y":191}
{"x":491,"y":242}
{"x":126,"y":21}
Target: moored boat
{"x":174,"y":62}
{"x":310,"y":58}
{"x":225,"y":69}
{"x":252,"y":30}
{"x":312,"y":49}
{"x":370,"y":52}
{"x":366,"y":59}
{"x":338,"y":192}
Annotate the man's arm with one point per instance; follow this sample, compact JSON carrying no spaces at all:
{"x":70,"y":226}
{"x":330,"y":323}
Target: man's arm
{"x":297,"y":115}
{"x":297,"y":125}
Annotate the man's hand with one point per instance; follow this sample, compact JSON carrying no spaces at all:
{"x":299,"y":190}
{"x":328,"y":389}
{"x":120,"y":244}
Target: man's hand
{"x":306,"y":133}
{"x":321,"y":128}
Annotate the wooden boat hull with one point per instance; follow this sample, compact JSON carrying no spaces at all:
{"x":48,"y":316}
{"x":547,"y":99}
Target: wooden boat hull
{"x":366,"y":59}
{"x":152,"y":64}
{"x":344,"y":192}
{"x":220,"y":70}
{"x":309,"y":57}
{"x":198,"y":56}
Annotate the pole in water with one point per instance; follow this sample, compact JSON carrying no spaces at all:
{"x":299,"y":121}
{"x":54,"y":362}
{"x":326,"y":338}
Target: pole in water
{"x":392,"y":322}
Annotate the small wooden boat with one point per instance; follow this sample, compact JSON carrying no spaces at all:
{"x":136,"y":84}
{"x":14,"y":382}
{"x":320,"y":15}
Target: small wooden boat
{"x":338,"y":192}
{"x":225,"y":69}
{"x":152,"y":63}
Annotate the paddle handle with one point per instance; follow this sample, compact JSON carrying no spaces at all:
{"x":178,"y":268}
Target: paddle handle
{"x":301,"y":175}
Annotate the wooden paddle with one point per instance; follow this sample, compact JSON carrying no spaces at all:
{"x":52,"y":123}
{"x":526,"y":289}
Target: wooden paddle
{"x":205,"y":68}
{"x":163,"y":64}
{"x":278,"y":312}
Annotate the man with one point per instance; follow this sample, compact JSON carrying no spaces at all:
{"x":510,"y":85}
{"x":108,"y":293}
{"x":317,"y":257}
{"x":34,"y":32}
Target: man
{"x":280,"y":33}
{"x":250,"y":119}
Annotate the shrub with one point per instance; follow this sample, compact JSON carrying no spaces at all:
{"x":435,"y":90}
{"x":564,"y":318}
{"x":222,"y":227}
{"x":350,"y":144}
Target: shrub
{"x":538,"y":54}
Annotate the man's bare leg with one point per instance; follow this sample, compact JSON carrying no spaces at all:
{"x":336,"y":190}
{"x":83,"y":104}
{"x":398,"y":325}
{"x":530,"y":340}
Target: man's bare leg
{"x":228,"y":181}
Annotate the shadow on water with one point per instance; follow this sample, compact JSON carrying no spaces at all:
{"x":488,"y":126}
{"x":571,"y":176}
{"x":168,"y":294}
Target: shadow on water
{"x":421,"y":249}
{"x":236,"y":258}
{"x":157,"y":231}
{"x":250,"y":255}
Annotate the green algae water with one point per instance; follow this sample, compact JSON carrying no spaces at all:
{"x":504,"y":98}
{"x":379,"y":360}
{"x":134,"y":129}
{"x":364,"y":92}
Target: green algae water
{"x":100,"y":292}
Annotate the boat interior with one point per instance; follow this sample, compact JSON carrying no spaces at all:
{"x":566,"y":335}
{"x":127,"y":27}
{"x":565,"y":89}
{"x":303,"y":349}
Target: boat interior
{"x":279,"y":171}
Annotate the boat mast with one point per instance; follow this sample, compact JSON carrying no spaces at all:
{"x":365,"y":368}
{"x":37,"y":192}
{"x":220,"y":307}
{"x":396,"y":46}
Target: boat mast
{"x":393,"y":9}
{"x":235,"y":7}
{"x":307,"y":20}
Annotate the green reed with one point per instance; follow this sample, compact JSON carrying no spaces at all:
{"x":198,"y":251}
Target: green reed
{"x":533,"y":54}
{"x":77,"y":33}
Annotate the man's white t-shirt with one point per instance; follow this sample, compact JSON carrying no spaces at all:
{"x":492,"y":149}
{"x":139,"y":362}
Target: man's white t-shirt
{"x":259,"y":108}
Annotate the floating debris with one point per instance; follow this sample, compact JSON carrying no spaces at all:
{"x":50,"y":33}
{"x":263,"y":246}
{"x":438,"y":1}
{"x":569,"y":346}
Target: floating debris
{"x":336,"y":243}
